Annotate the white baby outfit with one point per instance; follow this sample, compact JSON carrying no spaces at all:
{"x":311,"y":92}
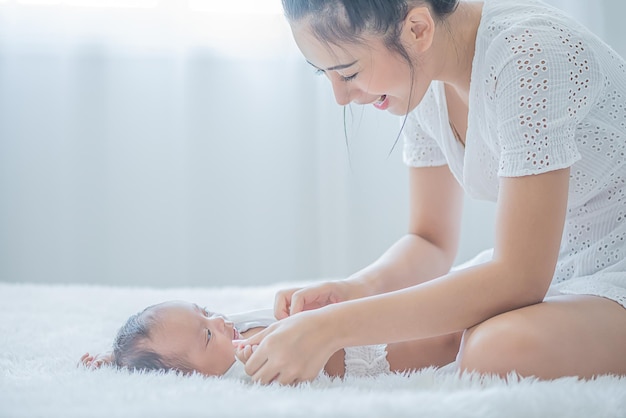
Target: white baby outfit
{"x":363,"y":361}
{"x":545,"y":94}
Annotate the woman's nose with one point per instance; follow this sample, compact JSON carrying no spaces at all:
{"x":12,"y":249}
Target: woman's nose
{"x":342,"y":91}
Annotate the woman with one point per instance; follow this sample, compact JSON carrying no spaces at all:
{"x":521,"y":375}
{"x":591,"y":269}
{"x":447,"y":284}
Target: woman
{"x":508,"y":100}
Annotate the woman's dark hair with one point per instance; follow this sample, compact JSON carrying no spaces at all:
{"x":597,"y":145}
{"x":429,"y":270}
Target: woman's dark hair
{"x":336,"y":21}
{"x":346,"y":21}
{"x":130,"y":348}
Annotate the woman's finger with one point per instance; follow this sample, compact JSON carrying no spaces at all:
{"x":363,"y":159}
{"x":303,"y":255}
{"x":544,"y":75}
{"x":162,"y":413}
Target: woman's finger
{"x":255,"y":339}
{"x":262,"y":374}
{"x":298,"y":300}
{"x":282,"y":303}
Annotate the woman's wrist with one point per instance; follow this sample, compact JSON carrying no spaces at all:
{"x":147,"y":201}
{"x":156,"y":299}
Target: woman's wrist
{"x":330,"y":326}
{"x":367,"y":282}
{"x":359,"y":287}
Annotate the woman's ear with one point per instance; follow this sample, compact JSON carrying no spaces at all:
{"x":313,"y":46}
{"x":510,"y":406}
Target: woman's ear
{"x":419,"y":29}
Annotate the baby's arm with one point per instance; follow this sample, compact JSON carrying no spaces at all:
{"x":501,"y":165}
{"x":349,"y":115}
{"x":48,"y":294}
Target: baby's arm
{"x":95,"y":362}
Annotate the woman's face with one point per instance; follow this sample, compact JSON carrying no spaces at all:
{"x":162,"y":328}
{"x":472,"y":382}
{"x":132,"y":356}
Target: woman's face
{"x":366,"y":73}
{"x":200,"y":338}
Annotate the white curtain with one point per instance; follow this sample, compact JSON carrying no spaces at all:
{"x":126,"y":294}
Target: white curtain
{"x":172,"y":143}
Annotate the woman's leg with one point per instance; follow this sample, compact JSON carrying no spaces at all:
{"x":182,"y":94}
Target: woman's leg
{"x":408,"y":355}
{"x":563,"y":336}
{"x":417,"y":354}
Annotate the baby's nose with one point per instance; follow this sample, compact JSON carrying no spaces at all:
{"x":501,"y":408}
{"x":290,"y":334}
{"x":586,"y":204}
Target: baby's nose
{"x":219,"y":322}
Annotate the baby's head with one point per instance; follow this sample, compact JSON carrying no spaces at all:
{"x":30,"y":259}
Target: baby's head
{"x":176,"y":336}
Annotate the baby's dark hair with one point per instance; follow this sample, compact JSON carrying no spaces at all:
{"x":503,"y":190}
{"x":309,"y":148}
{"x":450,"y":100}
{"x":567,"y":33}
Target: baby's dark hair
{"x":131,"y":349}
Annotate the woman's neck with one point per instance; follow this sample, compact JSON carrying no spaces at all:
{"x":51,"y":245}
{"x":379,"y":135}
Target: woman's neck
{"x":457,"y":40}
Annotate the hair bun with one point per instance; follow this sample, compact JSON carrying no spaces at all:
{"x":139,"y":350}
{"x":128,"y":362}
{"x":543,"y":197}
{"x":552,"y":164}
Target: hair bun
{"x":443,"y":7}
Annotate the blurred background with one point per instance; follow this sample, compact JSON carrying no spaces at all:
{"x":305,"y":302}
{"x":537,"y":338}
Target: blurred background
{"x":187,"y":143}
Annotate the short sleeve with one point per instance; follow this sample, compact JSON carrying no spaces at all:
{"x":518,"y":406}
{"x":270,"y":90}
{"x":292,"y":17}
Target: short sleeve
{"x":420,"y":147}
{"x":548,"y":82}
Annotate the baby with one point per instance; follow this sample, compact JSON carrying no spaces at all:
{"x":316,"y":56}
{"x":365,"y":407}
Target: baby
{"x":182,"y":336}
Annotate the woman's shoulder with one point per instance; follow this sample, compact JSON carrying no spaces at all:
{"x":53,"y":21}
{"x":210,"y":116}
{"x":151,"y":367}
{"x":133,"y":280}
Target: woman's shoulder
{"x":517,"y":25}
{"x":529,"y":36}
{"x":499,"y":15}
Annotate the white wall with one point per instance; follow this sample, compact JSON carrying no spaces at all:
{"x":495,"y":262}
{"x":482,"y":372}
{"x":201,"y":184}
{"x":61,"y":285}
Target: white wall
{"x":143,"y":155}
{"x":139,"y":148}
{"x":612,"y":24}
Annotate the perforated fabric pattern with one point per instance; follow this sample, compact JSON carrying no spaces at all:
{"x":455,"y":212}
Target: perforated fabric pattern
{"x":545,"y":94}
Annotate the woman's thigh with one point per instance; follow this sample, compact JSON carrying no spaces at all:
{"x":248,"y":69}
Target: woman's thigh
{"x":565,"y":335}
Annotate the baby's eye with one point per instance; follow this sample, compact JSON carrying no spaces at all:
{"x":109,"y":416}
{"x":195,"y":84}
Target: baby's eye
{"x":208,"y":334}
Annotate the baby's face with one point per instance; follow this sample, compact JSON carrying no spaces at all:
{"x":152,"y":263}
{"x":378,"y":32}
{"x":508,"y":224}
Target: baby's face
{"x":200,"y":338}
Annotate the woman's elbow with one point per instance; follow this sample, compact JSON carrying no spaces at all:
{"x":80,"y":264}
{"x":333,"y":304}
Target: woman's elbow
{"x":531,"y":282}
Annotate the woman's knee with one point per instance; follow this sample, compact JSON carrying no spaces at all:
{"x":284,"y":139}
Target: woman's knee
{"x":500,"y":345}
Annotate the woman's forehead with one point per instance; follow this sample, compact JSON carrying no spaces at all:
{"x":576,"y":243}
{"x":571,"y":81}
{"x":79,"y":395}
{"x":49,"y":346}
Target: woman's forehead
{"x":325,"y":54}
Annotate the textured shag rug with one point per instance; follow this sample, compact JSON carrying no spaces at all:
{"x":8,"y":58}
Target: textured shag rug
{"x":44,"y":329}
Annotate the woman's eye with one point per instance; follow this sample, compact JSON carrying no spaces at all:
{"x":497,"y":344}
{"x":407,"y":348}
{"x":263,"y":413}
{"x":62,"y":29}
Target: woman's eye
{"x":350,"y":77}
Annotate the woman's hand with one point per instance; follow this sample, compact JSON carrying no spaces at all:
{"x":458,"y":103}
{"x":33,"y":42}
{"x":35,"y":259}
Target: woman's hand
{"x":290,"y":351}
{"x":289,"y":302}
{"x":97,"y":361}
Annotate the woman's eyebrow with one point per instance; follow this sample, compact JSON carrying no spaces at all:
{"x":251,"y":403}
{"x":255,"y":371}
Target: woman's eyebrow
{"x":336,"y":67}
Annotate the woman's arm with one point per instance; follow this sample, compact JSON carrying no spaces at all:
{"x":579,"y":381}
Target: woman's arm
{"x":530,"y":219}
{"x":430,"y":246}
{"x":425,"y":252}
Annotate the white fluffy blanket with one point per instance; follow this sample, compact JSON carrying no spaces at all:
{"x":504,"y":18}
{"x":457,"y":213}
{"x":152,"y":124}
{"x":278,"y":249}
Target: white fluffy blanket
{"x":45,"y":329}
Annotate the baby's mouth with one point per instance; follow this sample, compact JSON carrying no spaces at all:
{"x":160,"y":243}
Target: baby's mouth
{"x":381,"y":99}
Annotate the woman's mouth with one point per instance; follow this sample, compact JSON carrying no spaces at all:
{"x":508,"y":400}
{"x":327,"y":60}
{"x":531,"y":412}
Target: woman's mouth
{"x":382,"y":103}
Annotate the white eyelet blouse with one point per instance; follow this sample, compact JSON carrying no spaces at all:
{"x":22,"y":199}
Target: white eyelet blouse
{"x":545,"y":94}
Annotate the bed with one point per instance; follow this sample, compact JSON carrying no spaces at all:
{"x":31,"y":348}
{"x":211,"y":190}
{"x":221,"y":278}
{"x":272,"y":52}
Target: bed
{"x":44,"y":329}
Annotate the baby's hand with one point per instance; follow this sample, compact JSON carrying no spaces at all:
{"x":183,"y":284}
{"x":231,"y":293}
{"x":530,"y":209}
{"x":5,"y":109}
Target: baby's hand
{"x":96,"y":362}
{"x":243,"y":352}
